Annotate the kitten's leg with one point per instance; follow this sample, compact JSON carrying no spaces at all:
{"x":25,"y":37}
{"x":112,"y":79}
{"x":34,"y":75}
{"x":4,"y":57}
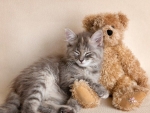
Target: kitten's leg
{"x":74,"y":104}
{"x":100,"y":90}
{"x":30,"y":105}
{"x":47,"y":108}
{"x":51,"y":107}
{"x":33,"y":100}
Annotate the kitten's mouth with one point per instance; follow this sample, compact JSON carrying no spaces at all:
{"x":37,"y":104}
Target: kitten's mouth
{"x":83,"y":64}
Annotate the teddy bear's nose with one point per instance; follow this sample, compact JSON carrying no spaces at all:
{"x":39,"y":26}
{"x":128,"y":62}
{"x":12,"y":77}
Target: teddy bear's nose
{"x":109,"y":32}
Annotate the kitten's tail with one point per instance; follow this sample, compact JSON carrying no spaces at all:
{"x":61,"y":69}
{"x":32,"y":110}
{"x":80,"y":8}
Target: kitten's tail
{"x":12,"y":104}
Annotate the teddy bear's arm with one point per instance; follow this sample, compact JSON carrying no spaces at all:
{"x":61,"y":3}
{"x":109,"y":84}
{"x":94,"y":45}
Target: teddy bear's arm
{"x":101,"y":91}
{"x":98,"y":88}
{"x":131,"y":65}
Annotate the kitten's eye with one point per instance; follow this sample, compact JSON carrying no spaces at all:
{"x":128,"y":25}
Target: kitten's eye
{"x":88,"y":54}
{"x":77,"y":53}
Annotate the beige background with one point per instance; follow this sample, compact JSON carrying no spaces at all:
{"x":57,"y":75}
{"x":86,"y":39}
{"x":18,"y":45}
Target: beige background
{"x":31,"y":29}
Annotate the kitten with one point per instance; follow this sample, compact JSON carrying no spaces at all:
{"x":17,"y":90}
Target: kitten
{"x":44,"y":86}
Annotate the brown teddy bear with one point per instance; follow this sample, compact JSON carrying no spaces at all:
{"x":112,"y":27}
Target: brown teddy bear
{"x":121,"y":73}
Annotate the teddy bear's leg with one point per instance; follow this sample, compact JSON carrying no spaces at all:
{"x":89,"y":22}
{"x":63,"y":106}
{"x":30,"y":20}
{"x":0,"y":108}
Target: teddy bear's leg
{"x":85,"y":96}
{"x":127,"y":94}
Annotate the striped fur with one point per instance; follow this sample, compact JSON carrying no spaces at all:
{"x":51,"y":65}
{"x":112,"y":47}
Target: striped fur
{"x":44,"y":86}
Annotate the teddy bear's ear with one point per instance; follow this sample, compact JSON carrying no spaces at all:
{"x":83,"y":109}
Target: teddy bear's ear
{"x":92,"y":22}
{"x":123,"y":19}
{"x":88,"y":22}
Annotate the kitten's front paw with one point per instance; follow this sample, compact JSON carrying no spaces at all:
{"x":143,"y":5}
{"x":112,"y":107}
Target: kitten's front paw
{"x":104,"y":94}
{"x":101,"y":91}
{"x":66,"y":110}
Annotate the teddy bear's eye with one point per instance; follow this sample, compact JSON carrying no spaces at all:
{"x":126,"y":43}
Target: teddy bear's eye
{"x":113,"y":26}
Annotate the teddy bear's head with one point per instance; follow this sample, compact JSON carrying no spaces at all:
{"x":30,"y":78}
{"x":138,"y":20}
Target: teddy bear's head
{"x":113,"y":26}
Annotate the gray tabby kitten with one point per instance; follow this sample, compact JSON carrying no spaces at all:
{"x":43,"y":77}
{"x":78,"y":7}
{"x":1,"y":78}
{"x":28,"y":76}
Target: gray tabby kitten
{"x":44,"y":86}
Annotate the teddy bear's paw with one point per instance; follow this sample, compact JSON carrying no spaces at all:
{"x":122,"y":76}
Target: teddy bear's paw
{"x":66,"y":110}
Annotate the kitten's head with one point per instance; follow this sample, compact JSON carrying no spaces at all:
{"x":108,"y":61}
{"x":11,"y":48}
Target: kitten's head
{"x":85,"y":49}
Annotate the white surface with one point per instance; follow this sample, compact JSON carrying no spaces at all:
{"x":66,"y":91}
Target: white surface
{"x":31,"y":29}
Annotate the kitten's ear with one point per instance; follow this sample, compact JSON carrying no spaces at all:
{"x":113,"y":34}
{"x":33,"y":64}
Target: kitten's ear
{"x":70,"y":35}
{"x":97,"y":38}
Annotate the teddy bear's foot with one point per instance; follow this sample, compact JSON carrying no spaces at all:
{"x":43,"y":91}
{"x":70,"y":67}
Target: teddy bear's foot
{"x":131,"y":100}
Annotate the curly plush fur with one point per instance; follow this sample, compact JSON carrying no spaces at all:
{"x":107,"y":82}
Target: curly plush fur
{"x":121,"y":73}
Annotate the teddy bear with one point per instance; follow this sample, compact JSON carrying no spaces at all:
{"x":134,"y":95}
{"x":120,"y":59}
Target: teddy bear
{"x":121,"y":72}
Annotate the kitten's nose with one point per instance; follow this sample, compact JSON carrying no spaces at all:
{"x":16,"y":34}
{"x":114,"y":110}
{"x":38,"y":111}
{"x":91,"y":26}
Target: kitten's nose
{"x":81,"y":60}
